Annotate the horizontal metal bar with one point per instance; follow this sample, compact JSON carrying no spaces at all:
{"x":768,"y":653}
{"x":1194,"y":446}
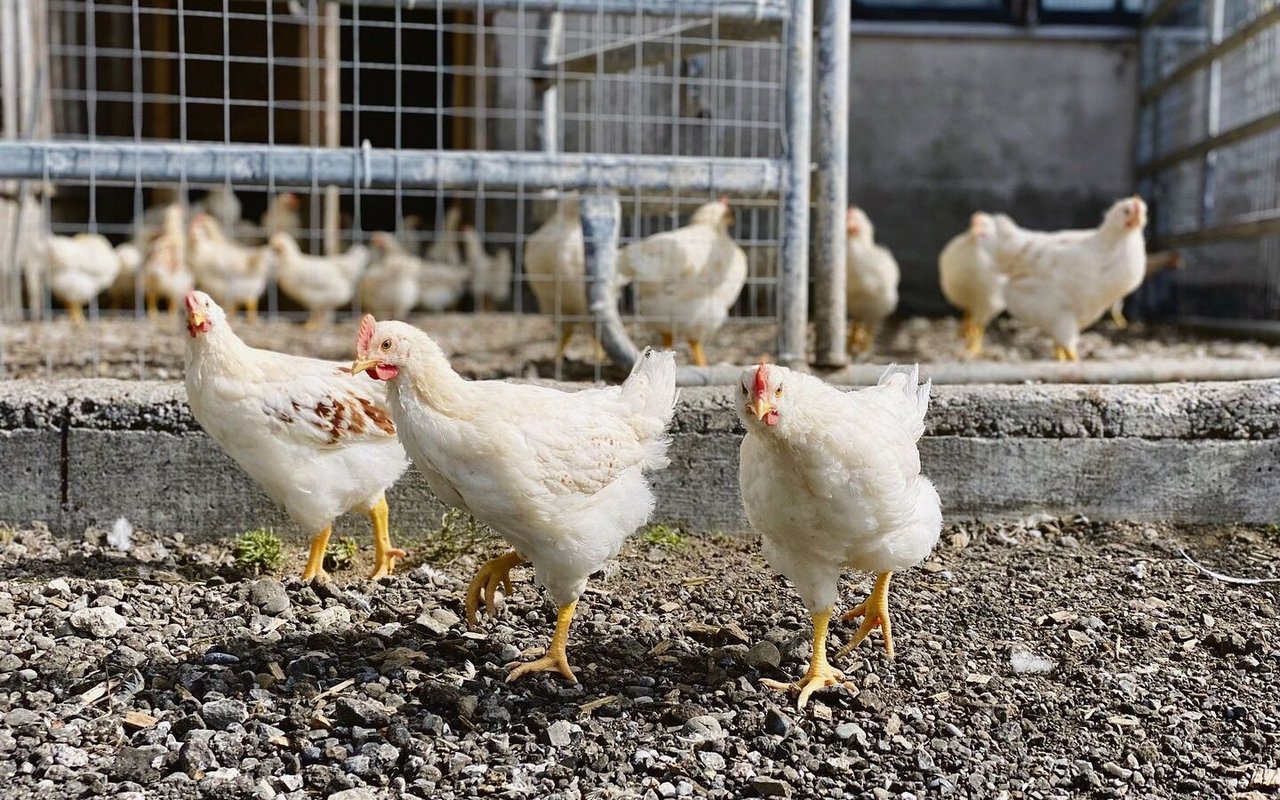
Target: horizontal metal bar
{"x":1210,"y":54}
{"x":746,"y":9}
{"x":1248,"y":130}
{"x":895,"y":29}
{"x":263,"y":165}
{"x":1267,"y":330}
{"x":1249,"y":229}
{"x":1160,"y":13}
{"x":660,"y":47}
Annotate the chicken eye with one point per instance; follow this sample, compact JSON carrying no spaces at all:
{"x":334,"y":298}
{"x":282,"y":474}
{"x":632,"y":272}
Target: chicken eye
{"x":386,"y":345}
{"x":778,"y":392}
{"x":744,"y":390}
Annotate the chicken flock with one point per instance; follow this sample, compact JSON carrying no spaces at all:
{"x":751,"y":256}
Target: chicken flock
{"x":685,"y":281}
{"x":831,"y":479}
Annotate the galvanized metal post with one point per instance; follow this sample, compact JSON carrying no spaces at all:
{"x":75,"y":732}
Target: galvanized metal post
{"x":831,"y":158}
{"x":601,"y":222}
{"x":553,"y":32}
{"x":1213,"y":114}
{"x":793,"y":288}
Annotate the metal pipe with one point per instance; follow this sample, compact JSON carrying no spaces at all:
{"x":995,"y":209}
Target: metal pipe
{"x":1213,"y":115}
{"x":1151,"y":371}
{"x":1247,"y":229}
{"x":1228,"y":44}
{"x":332,"y":118}
{"x":601,"y":223}
{"x":553,"y":31}
{"x":254,"y":164}
{"x":1255,"y":127}
{"x":748,"y":9}
{"x":831,"y":156}
{"x":793,"y":289}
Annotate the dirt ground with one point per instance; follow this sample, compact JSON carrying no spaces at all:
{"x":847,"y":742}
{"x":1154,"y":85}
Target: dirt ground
{"x":1050,"y":658}
{"x":508,"y":345}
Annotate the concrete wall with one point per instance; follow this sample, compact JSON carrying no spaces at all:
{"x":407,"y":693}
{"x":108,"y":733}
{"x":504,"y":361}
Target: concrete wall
{"x":1042,"y":129}
{"x":81,"y":453}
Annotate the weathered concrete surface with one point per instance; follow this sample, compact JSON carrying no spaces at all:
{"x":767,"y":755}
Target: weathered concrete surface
{"x":81,"y":453}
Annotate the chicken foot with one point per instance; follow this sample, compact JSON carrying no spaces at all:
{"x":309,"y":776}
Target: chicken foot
{"x":153,"y":305}
{"x":251,"y":310}
{"x":820,"y":673}
{"x":315,"y":559}
{"x":1062,"y":353}
{"x":384,"y":555}
{"x":860,"y":338}
{"x":1117,"y":315}
{"x":492,"y":573}
{"x":699,"y":357}
{"x":557,"y":655}
{"x":875,"y":614}
{"x":76,"y":313}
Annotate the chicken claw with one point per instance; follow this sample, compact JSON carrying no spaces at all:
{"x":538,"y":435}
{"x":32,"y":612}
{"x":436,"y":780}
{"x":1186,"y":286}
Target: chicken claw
{"x":875,"y":614}
{"x":820,"y":674}
{"x":1117,"y":315}
{"x":557,"y":656}
{"x":1062,"y":353}
{"x":492,"y":573}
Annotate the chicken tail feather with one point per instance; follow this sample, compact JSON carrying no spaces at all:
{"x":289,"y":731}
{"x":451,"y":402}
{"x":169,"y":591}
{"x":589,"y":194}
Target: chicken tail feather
{"x":651,"y":392}
{"x":907,"y":379}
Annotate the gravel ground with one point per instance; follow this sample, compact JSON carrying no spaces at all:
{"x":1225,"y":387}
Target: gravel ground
{"x":506,"y":345}
{"x":1051,"y":658}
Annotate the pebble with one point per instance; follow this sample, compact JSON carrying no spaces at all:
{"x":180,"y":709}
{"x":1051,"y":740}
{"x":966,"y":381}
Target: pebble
{"x":771,"y":787}
{"x":98,"y":622}
{"x":365,"y":713}
{"x":702,"y":729}
{"x":560,"y":733}
{"x":269,"y":595}
{"x":776,"y":722}
{"x":222,"y":714}
{"x":763,"y":654}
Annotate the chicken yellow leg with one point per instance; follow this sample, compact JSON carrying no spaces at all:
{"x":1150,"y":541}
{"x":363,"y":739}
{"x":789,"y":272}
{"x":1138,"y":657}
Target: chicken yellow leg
{"x":492,"y":573}
{"x":315,"y":560}
{"x":1117,"y":315}
{"x":859,"y":338}
{"x":566,"y":334}
{"x":557,"y":656}
{"x":820,"y":673}
{"x":668,"y":341}
{"x":875,"y":614}
{"x":695,"y":349}
{"x":384,"y":555}
{"x":316,"y":320}
{"x":251,"y":310}
{"x":153,"y":305}
{"x":76,"y":313}
{"x":1062,"y":353}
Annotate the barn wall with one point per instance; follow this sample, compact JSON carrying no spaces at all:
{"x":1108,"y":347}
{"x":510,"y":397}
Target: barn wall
{"x":939,"y":128}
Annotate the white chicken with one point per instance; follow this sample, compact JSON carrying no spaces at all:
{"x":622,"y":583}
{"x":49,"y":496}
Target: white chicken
{"x":165,"y":272}
{"x":871,"y":289}
{"x":389,"y":287}
{"x":446,"y":246}
{"x":687,"y":279}
{"x":22,"y":234}
{"x":971,"y":281}
{"x":221,"y":203}
{"x":555,"y":266}
{"x":122,"y":290}
{"x":490,"y":282}
{"x":320,"y":284}
{"x":80,"y":268}
{"x":1064,"y":282}
{"x":234,"y":274}
{"x":831,"y":480}
{"x":559,"y":475}
{"x":283,"y":215}
{"x":315,"y":437}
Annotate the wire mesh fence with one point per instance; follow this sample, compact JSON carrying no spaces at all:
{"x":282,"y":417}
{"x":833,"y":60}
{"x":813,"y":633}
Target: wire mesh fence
{"x":1210,"y":154}
{"x":415,"y":146}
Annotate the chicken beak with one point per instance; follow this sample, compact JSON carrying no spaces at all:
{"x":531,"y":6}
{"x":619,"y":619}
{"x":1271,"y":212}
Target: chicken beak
{"x":197,"y":319}
{"x":760,"y":407}
{"x":362,"y":364}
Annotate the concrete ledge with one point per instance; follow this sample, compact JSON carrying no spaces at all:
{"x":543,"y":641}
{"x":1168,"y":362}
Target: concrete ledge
{"x":80,"y":453}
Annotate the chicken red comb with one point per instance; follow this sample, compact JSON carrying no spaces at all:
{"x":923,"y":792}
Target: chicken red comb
{"x":193,"y":301}
{"x":760,"y":386}
{"x":368,"y":325}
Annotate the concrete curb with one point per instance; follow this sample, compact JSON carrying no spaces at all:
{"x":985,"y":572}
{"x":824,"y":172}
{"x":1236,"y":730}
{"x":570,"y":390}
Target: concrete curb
{"x":80,"y":453}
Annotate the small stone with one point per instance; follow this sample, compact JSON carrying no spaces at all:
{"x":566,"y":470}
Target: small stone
{"x":666,"y":789}
{"x":711,"y":760}
{"x":69,"y":756}
{"x":559,"y":733}
{"x":137,"y":764}
{"x":704,"y":728}
{"x":776,"y":722}
{"x":365,"y":713}
{"x":58,"y":586}
{"x":332,"y":617}
{"x":21,"y":718}
{"x":98,"y":622}
{"x":764,"y":654}
{"x":196,"y":757}
{"x":437,"y":621}
{"x":354,"y":794}
{"x":1116,"y":771}
{"x":771,"y":787}
{"x":869,"y":701}
{"x":270,"y":596}
{"x":222,"y":714}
